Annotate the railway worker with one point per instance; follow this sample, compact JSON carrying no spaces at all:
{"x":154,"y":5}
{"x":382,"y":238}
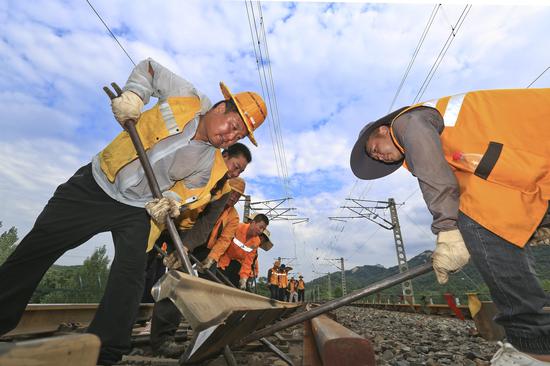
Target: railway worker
{"x":273,"y":280}
{"x":200,"y":229}
{"x":482,"y":162}
{"x":283,"y":282}
{"x":292,"y":284}
{"x":224,"y":229}
{"x":183,"y":136}
{"x":301,"y":288}
{"x":236,"y":262}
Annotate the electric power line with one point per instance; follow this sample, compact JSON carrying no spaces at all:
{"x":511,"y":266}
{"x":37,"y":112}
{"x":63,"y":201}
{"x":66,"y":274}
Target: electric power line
{"x":542,"y":73}
{"x":110,"y":32}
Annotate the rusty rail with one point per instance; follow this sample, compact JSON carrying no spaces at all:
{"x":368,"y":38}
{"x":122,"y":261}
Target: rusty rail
{"x":46,"y":318}
{"x":339,"y":346}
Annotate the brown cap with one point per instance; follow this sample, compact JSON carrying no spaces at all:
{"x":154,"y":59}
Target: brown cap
{"x":237,"y":184}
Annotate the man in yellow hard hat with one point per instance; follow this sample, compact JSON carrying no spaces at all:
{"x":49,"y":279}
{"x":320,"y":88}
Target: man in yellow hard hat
{"x":182,"y":135}
{"x":482,"y":162}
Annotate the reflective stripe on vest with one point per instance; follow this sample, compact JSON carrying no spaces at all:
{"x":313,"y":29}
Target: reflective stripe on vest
{"x":241,"y":245}
{"x":169,"y":119}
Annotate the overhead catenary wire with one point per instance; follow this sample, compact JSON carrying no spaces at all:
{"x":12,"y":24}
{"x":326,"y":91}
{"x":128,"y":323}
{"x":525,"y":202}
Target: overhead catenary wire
{"x":415,"y":54}
{"x":538,"y":77}
{"x":442,"y":53}
{"x":111,"y":33}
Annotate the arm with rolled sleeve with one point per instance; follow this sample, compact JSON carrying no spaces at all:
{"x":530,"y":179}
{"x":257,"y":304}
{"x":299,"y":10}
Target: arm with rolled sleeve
{"x":418,"y":132}
{"x":151,"y":79}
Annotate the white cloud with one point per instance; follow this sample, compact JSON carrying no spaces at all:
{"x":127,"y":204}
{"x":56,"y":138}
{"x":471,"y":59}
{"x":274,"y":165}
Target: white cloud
{"x":334,"y":67}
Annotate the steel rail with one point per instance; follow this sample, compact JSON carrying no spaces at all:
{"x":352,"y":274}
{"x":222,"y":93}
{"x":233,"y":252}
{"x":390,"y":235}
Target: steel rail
{"x":334,"y":304}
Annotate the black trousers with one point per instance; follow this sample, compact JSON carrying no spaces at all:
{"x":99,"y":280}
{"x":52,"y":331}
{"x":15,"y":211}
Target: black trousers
{"x":232,"y":272}
{"x":301,"y":295}
{"x":274,"y":290}
{"x":78,"y":210}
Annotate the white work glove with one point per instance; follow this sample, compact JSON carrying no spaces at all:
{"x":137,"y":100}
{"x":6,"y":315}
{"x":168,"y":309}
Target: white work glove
{"x":127,"y":107}
{"x":242,"y":283}
{"x":158,"y":209}
{"x":171,"y":261}
{"x":207,"y":263}
{"x":450,"y":254}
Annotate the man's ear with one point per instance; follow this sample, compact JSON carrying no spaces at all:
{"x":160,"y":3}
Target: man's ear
{"x":384,"y":130}
{"x":220,"y":108}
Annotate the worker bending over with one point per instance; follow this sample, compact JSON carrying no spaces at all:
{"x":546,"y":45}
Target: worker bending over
{"x":482,"y":160}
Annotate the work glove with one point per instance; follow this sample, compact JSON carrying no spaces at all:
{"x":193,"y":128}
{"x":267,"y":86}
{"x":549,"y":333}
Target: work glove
{"x":171,"y":261}
{"x":541,"y":236}
{"x":127,"y":107}
{"x":207,"y":263}
{"x":450,"y":254}
{"x":242,"y":283}
{"x":158,"y":209}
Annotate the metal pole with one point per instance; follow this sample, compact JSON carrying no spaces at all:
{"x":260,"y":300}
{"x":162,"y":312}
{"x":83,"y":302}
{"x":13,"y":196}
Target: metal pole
{"x":246,"y":210}
{"x":344,"y":290}
{"x":334,"y":304}
{"x":329,"y":287}
{"x":407,"y":286}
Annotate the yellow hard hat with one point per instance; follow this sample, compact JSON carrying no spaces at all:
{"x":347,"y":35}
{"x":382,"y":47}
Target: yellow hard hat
{"x":237,"y":184}
{"x":251,"y":107}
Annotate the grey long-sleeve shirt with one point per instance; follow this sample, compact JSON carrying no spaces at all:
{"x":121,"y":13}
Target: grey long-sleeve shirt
{"x":175,"y":158}
{"x":418,"y":133}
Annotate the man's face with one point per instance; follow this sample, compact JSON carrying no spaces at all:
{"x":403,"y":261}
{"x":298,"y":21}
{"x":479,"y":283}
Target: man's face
{"x":380,"y":146}
{"x":235,"y":165}
{"x":256,"y":228}
{"x":233,"y":198}
{"x":224,"y":129}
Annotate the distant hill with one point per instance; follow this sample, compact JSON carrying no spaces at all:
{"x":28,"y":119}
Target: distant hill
{"x":467,"y":280}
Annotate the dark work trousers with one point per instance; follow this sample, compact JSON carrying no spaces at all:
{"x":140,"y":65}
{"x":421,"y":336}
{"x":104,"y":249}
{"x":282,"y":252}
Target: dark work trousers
{"x":154,"y":271}
{"x":78,"y":210}
{"x":274,"y":290}
{"x":508,"y":271}
{"x":301,"y":295}
{"x":166,"y":316}
{"x":282,"y":294}
{"x":232,"y":272}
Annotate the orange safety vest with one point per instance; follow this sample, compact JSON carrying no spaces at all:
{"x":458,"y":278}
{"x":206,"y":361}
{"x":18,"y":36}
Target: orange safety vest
{"x":283,"y":279}
{"x":508,"y":192}
{"x":301,"y":285}
{"x":273,"y":276}
{"x":241,"y":250}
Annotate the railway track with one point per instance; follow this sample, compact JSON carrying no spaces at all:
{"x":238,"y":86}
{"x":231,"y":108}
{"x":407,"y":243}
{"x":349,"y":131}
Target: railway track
{"x":46,"y":329}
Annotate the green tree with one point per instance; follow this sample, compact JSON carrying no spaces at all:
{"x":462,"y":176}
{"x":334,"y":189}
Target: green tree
{"x":93,"y":274}
{"x":7,"y":242}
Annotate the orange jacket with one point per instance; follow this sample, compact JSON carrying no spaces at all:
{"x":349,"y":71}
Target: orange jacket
{"x":223,"y":232}
{"x":508,"y":192}
{"x":301,"y":285}
{"x":241,"y":250}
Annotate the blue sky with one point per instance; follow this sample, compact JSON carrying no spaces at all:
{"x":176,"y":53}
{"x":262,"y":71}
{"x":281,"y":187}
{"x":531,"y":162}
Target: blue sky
{"x":335,"y":67}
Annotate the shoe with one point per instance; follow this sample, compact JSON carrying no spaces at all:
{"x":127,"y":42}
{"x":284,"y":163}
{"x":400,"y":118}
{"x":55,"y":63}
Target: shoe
{"x":169,"y":349}
{"x":507,"y":355}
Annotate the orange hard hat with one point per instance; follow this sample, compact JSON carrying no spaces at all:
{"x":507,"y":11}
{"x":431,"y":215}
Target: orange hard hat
{"x":251,"y":107}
